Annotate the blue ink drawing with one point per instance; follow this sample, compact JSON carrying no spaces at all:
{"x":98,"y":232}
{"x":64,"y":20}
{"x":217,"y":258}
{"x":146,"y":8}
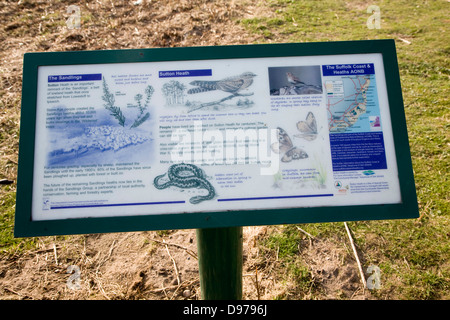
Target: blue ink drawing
{"x":112,"y":136}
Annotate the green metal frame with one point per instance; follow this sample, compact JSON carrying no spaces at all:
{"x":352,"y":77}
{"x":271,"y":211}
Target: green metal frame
{"x":25,"y":227}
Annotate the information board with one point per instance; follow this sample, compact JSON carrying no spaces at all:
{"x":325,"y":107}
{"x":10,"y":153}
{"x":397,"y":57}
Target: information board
{"x":170,"y":138}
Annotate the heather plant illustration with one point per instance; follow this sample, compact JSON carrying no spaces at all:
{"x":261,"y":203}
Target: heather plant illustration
{"x":110,"y":104}
{"x":117,"y":113}
{"x":143,"y":115}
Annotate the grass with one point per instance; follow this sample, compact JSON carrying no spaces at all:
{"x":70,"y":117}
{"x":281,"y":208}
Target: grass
{"x":9,"y":244}
{"x":285,"y":244}
{"x":7,"y":206}
{"x":413,"y":255}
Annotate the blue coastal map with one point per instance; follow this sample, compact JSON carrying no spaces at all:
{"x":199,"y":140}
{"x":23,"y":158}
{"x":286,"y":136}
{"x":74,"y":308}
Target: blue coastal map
{"x":352,"y":104}
{"x":356,"y":136}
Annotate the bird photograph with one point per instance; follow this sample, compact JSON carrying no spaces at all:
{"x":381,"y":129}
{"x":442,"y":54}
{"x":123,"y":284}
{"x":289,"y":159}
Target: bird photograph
{"x":295,"y":80}
{"x":292,"y":79}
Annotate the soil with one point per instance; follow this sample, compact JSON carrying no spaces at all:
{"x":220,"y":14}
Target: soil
{"x":140,"y":265}
{"x":163,"y":266}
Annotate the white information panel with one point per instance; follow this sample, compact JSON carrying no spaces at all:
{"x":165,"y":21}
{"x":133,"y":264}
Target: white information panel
{"x":212,"y":135}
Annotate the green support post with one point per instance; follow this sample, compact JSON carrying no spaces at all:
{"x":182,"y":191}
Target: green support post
{"x":220,"y":263}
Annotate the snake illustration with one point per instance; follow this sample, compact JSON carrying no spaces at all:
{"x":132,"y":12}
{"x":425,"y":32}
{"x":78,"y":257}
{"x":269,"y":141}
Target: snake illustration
{"x":186,"y":176}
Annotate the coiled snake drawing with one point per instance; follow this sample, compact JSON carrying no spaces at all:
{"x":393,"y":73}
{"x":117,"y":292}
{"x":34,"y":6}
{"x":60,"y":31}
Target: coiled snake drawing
{"x":186,"y":176}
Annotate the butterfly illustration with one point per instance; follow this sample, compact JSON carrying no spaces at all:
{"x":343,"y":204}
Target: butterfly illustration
{"x":285,"y":146}
{"x":308,"y":128}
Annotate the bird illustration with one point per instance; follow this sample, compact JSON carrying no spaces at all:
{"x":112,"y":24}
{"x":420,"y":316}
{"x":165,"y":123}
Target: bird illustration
{"x":231,"y":84}
{"x":293,"y":79}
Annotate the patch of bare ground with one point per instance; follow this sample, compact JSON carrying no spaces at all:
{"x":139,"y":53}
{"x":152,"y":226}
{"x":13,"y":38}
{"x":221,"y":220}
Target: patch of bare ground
{"x":164,"y":266}
{"x":331,"y":271}
{"x":334,"y":269}
{"x":141,"y":265}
